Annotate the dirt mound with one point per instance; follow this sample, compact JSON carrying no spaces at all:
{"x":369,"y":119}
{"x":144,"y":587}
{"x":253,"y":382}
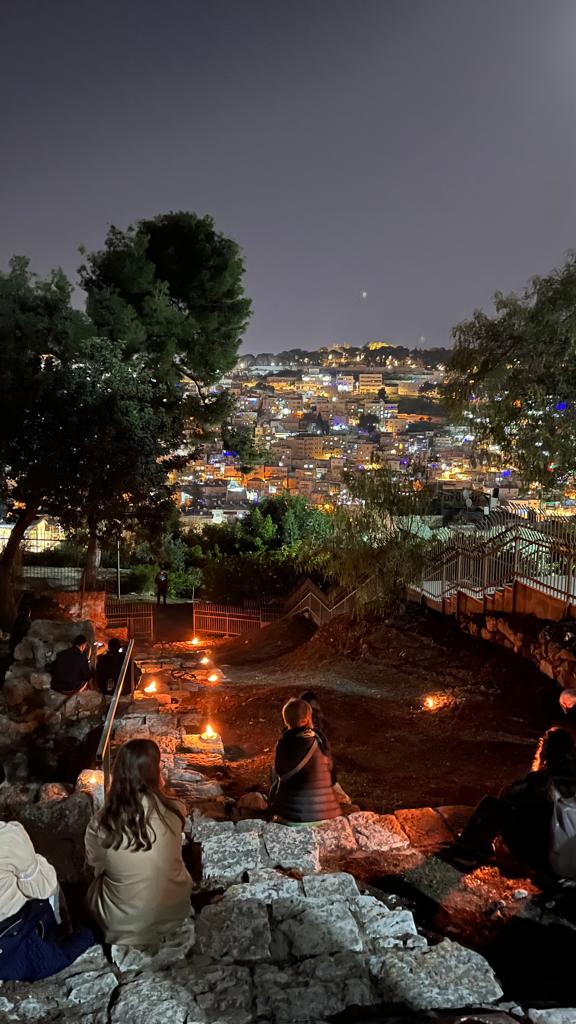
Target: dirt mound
{"x":272,"y":641}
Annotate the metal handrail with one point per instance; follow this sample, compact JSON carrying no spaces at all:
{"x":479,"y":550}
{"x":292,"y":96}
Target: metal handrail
{"x":103,"y":752}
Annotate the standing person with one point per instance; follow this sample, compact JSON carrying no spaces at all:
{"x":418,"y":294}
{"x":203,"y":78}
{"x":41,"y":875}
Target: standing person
{"x":161,"y":586}
{"x":71,"y":669}
{"x":303,"y":791}
{"x":141,"y":891}
{"x":109,"y":666}
{"x":32,"y":945}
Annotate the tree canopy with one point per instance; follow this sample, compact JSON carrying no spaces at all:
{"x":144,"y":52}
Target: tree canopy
{"x":170,"y":290}
{"x":512,"y":375}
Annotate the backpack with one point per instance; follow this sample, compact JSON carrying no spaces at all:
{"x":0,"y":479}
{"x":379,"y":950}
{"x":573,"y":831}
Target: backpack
{"x":562,"y":849}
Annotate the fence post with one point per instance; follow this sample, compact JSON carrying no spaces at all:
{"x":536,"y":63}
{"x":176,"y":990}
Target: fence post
{"x":569,"y":566}
{"x":193,"y":618}
{"x":458,"y":583}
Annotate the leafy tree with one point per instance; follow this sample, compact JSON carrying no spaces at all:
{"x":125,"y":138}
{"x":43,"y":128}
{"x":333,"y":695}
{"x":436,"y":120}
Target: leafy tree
{"x":374,"y":539}
{"x":39,"y":331}
{"x":513,"y":375}
{"x":170,"y":290}
{"x":241,"y":442}
{"x":368,"y":422}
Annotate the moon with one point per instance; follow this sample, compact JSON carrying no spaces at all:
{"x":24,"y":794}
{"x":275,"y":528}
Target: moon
{"x":364,"y":295}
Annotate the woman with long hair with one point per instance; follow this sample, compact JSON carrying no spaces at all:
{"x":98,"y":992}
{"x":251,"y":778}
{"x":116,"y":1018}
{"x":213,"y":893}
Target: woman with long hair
{"x":141,"y":889}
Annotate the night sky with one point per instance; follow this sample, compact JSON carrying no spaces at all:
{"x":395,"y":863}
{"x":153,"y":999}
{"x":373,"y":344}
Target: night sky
{"x":422,"y":151}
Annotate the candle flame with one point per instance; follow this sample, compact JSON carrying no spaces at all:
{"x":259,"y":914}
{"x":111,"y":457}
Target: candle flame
{"x":152,"y":687}
{"x":213,"y":677}
{"x":205,"y":660}
{"x":195,"y":641}
{"x":208,"y":733}
{"x":93,"y":779}
{"x":434,"y":701}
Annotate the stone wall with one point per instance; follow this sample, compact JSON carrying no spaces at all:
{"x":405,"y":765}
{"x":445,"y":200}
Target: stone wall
{"x":74,"y":605}
{"x":551,"y":646}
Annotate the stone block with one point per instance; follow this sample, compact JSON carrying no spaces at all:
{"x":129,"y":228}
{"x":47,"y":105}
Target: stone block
{"x":304,"y":927}
{"x":250,"y":802}
{"x":382,"y":928}
{"x":155,"y":999}
{"x":87,"y":704}
{"x":319,"y":988}
{"x":256,"y":825}
{"x":337,"y":886}
{"x":92,"y":987}
{"x":378,"y":833}
{"x":557,"y":1015}
{"x":17,"y":691}
{"x":205,"y":828}
{"x":293,"y":849}
{"x":175,"y":947}
{"x":53,"y":791}
{"x":234,"y":931}
{"x":424,"y":827}
{"x":456,"y":816}
{"x":446,"y":976}
{"x":226,"y":858}
{"x":265,"y":885}
{"x":335,"y":837}
{"x":223,"y":992}
{"x":60,"y":630}
{"x":41,"y":680}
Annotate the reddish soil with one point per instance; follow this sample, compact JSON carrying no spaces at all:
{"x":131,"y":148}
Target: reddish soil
{"x":372,"y":679}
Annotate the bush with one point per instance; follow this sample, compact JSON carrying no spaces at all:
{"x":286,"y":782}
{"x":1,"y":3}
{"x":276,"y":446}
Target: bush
{"x":141,"y":579}
{"x":184,"y":582}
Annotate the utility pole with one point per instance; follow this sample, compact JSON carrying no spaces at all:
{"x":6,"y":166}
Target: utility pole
{"x":118,"y":568}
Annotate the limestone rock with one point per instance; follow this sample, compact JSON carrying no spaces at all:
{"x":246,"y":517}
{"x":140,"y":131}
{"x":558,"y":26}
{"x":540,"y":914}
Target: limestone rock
{"x":155,"y":999}
{"x":225,"y":858}
{"x":41,"y":680}
{"x":339,"y":885}
{"x":17,"y":691}
{"x":152,"y":958}
{"x":232,"y":931}
{"x":256,"y":825}
{"x":558,"y":1015}
{"x":53,"y":791}
{"x":57,"y":830}
{"x":92,"y":987}
{"x":379,"y":833}
{"x":310,"y":927}
{"x":60,"y":631}
{"x":335,"y":837}
{"x":382,"y":928}
{"x":314,"y":990}
{"x":292,"y":848}
{"x":447,"y":976}
{"x":424,"y":827}
{"x":265,"y":885}
{"x":13,"y":799}
{"x":223,"y":992}
{"x":205,"y":828}
{"x":87,"y":704}
{"x":250,"y":802}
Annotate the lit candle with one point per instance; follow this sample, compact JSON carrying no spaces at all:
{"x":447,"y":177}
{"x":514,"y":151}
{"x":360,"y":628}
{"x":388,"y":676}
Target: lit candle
{"x":214,"y":677}
{"x":152,"y":687}
{"x":209,"y":733}
{"x":205,"y":660}
{"x":91,"y":782}
{"x":195,"y":641}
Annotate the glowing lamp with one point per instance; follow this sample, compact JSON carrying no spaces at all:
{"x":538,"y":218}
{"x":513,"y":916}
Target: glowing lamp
{"x":152,"y":687}
{"x":91,"y":782}
{"x":209,"y":733}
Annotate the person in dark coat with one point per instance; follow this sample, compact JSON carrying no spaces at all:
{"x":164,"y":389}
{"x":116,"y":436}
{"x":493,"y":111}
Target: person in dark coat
{"x":521,"y":815}
{"x":161,"y":586}
{"x":71,"y":669}
{"x":108,"y":667}
{"x":303,"y":791}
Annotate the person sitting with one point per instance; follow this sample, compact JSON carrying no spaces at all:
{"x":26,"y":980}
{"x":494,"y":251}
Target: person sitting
{"x":303,"y":790}
{"x":71,"y":669}
{"x":109,"y":666}
{"x":141,"y":891}
{"x":318,"y":720}
{"x":32,"y":945}
{"x":521,"y":814}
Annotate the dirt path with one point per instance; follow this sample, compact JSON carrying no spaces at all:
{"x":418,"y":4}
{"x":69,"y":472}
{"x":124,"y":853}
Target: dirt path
{"x":375,"y":682}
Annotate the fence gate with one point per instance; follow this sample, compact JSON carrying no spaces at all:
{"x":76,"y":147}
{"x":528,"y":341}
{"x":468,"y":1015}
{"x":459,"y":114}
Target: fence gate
{"x":135,"y":616}
{"x":231,"y":620}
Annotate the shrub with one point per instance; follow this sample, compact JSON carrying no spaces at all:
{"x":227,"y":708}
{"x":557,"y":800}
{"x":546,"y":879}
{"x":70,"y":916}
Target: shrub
{"x":141,"y":579}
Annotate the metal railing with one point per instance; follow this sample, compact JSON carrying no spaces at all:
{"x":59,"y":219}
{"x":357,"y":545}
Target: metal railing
{"x":321,"y":609}
{"x":103,"y":752}
{"x":539,"y":552}
{"x":137,"y":617}
{"x":231,"y":620}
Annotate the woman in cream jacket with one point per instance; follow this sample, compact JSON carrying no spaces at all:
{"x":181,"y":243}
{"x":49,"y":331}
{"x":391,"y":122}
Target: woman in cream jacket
{"x":141,"y":891}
